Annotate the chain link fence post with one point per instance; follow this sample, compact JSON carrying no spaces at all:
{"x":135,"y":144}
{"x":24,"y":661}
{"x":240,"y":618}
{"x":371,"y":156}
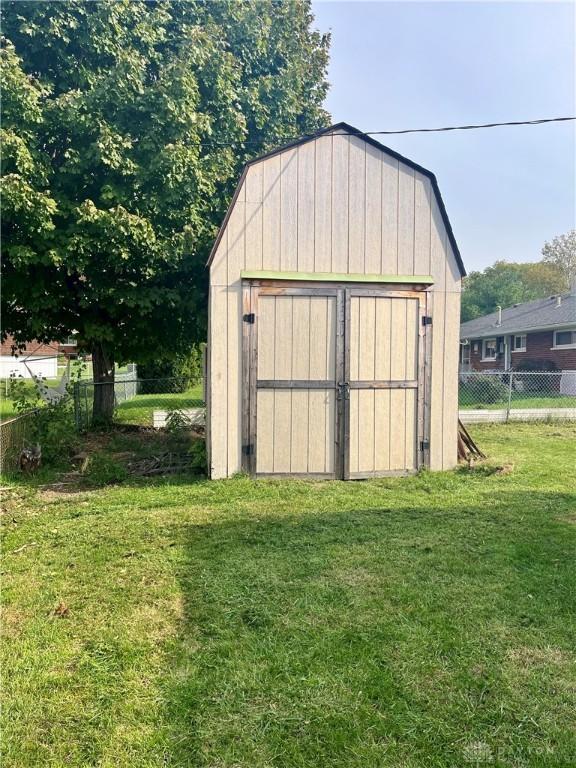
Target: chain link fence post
{"x":86,"y":407}
{"x":76,"y":396}
{"x":510,"y":385}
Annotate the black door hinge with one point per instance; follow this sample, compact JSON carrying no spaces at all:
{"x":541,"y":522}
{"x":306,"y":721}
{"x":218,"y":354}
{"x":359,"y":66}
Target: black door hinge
{"x":424,"y":445}
{"x":249,"y":318}
{"x":426,"y":320}
{"x":247,"y":450}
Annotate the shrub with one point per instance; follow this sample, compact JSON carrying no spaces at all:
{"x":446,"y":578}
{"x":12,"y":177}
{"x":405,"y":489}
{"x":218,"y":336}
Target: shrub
{"x":482,"y":390}
{"x":537,"y":365}
{"x":537,"y":383}
{"x":173,"y":375}
{"x":53,"y":426}
{"x":176,"y":422}
{"x":199,"y":458}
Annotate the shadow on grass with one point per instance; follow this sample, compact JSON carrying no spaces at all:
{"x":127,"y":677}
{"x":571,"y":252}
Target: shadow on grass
{"x":373,"y":636}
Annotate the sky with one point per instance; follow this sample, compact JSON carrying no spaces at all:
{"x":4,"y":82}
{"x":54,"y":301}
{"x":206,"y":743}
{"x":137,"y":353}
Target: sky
{"x":398,"y":65}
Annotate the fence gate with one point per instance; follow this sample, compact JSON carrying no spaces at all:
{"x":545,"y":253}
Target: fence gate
{"x":333,"y":381}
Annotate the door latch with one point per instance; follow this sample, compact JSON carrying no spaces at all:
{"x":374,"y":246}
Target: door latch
{"x":343,"y":390}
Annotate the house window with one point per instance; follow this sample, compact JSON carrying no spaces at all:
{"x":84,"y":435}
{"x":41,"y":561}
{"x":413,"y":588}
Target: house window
{"x":489,"y":349}
{"x":519,"y":344}
{"x":70,"y":341}
{"x":563,"y":339}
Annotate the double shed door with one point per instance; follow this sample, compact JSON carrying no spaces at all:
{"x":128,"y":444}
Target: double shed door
{"x":333,"y":381}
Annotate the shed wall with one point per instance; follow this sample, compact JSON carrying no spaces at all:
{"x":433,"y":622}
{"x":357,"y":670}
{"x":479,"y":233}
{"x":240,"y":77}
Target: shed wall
{"x":334,"y":204}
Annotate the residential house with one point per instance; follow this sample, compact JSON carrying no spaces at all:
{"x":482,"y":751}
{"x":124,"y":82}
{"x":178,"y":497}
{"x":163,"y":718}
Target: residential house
{"x":538,"y":334}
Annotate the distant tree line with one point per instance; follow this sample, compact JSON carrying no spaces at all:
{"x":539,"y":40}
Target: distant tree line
{"x":507,"y":283}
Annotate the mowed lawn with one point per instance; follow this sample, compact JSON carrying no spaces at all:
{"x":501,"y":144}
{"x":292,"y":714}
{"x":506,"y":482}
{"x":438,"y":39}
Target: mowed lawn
{"x":140,"y":409}
{"x":402,"y":623}
{"x":520,"y":400}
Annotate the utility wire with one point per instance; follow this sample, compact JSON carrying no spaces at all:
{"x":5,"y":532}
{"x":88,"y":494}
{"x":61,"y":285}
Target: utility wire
{"x":395,"y":133}
{"x":472,"y":127}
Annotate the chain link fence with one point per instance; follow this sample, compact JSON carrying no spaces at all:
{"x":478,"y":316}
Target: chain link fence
{"x":517,"y":396}
{"x":145,"y":402}
{"x":14,"y":437}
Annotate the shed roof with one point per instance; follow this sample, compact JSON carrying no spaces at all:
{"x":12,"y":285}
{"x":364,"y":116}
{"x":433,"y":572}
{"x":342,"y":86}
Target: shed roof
{"x":349,"y":129}
{"x":541,"y":314}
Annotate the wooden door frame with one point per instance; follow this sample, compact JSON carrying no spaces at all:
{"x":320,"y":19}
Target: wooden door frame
{"x":421,"y":383}
{"x":342,"y":292}
{"x":251,"y":291}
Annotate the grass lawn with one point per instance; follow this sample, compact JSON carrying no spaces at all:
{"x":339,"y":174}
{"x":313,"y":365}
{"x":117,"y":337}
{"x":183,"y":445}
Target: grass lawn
{"x":418,"y":623}
{"x":7,"y":410}
{"x":140,"y":409}
{"x":523,"y":400}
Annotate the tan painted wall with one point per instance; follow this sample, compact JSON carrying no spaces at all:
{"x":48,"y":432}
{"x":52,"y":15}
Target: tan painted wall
{"x":334,"y":204}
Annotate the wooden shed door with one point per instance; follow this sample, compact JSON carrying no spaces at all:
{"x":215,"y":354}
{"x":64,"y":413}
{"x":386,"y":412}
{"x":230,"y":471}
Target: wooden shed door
{"x":384,"y":372}
{"x":296,"y":351}
{"x":333,"y":383}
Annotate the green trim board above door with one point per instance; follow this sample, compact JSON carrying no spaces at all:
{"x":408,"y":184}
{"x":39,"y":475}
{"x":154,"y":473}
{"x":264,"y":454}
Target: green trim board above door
{"x":335,"y":277}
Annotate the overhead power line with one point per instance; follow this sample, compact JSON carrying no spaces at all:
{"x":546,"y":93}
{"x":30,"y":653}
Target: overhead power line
{"x":472,"y":127}
{"x":405,"y":130}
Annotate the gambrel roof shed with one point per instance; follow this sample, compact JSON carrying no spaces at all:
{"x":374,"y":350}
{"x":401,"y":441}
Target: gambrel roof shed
{"x":350,"y":130}
{"x":334,"y":314}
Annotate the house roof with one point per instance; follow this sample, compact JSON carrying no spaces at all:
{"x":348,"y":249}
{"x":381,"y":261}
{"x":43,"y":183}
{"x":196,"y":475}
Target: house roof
{"x":538,"y":315}
{"x":355,"y":132}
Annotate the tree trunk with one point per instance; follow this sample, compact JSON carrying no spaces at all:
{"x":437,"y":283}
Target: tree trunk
{"x":103,"y":374}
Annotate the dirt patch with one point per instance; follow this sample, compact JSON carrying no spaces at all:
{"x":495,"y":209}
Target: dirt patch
{"x":353,"y":577}
{"x":505,"y":469}
{"x":12,"y":623}
{"x":159,"y":621}
{"x":527,"y":657}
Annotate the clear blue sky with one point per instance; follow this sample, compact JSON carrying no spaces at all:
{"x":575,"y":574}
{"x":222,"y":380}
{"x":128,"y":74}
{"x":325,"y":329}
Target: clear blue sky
{"x":405,"y":64}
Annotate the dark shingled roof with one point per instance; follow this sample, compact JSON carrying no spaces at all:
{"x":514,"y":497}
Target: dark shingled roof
{"x":541,"y":314}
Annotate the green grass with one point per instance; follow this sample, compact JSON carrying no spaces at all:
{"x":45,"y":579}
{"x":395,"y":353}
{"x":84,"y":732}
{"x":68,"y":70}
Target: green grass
{"x":7,"y":409}
{"x":140,"y":409}
{"x":412,"y":622}
{"x":522,"y":400}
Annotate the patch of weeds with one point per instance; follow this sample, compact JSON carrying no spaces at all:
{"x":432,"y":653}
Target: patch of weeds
{"x":177,"y":422}
{"x":104,"y":469}
{"x":486,"y":469}
{"x":52,"y":426}
{"x":198,"y":454}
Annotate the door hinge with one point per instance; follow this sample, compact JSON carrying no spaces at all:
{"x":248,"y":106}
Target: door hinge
{"x":426,"y":320}
{"x":248,"y":450}
{"x":424,"y":445}
{"x":249,"y":318}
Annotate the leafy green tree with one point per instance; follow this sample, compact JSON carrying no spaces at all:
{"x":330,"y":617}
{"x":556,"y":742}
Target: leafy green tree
{"x":126,"y":125}
{"x":507,"y":283}
{"x":561,"y":253}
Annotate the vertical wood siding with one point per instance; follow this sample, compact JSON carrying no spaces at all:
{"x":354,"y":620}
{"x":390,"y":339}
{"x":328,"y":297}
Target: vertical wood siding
{"x":296,"y":340}
{"x":383,"y":343}
{"x":335,"y":204}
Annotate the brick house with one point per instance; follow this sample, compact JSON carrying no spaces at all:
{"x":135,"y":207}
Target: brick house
{"x":540,"y":333}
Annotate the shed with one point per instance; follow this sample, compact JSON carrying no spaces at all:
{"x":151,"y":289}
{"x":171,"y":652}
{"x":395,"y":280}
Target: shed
{"x":334,"y":316}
